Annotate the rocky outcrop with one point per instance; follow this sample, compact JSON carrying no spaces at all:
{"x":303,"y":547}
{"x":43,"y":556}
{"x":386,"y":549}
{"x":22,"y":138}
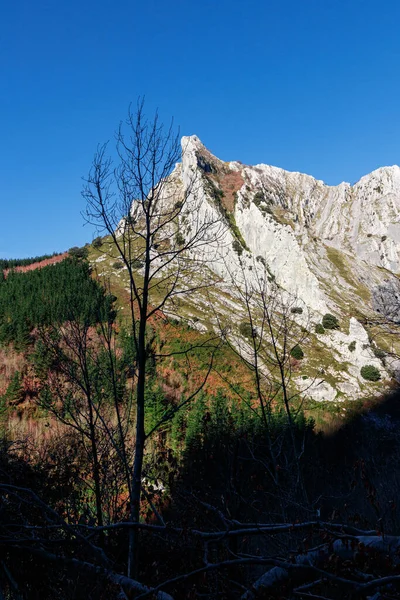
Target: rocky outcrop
{"x":334,"y":248}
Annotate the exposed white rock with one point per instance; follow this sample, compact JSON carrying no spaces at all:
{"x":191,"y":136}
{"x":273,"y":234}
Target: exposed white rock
{"x":318,"y":390}
{"x":352,"y":360}
{"x":324,"y":245}
{"x":282,"y":252}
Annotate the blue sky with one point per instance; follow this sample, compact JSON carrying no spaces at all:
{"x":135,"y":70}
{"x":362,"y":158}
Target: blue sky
{"x":307,"y":85}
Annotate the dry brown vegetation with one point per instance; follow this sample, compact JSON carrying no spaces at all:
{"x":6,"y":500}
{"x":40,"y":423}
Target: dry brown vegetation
{"x":39,"y":265}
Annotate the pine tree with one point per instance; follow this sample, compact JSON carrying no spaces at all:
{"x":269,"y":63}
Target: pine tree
{"x":197,"y":420}
{"x":178,"y":429}
{"x":156,"y":406}
{"x":220,"y":416}
{"x":15,"y":391}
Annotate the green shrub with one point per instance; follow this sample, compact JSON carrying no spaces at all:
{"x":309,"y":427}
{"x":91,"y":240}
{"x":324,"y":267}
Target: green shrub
{"x":262,"y":260}
{"x":370,"y":373}
{"x":215,"y":192}
{"x":296,"y":352}
{"x":296,"y":310}
{"x":118,"y":265}
{"x":238,"y":248}
{"x":379,"y":353}
{"x":271,"y":276}
{"x":15,"y":391}
{"x":352,"y":346}
{"x":77,"y":252}
{"x":97,"y":242}
{"x":258,"y":198}
{"x":330,"y":322}
{"x":137,"y":263}
{"x":319,"y":328}
{"x":246,"y":329}
{"x":180,"y":240}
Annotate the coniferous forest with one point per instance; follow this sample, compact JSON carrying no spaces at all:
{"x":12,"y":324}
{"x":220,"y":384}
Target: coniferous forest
{"x":48,"y":296}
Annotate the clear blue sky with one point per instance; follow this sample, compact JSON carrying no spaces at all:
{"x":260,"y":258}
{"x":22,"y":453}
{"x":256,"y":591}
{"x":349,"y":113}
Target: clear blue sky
{"x":307,"y":85}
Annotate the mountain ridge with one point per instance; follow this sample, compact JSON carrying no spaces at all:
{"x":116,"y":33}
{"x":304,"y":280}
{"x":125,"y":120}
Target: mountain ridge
{"x":198,"y":142}
{"x":335,"y":248}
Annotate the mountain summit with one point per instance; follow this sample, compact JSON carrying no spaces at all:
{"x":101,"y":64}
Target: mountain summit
{"x":336,"y":249}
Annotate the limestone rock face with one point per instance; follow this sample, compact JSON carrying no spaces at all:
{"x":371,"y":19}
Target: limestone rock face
{"x":334,"y":249}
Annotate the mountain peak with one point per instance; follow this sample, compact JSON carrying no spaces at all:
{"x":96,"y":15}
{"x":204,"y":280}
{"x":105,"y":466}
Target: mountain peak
{"x":196,"y":155}
{"x":191,"y":142}
{"x":388,"y":175}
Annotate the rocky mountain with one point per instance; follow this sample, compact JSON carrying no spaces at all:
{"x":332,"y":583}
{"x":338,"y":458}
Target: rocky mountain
{"x":335,"y":249}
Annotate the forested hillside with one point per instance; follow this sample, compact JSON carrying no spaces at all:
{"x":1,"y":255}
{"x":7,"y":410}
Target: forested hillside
{"x":48,"y":296}
{"x":214,"y":469}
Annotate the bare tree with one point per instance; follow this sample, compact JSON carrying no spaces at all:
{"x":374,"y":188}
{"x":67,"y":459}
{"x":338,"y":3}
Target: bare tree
{"x":159,"y":229}
{"x":83,"y":387}
{"x":268,"y":340}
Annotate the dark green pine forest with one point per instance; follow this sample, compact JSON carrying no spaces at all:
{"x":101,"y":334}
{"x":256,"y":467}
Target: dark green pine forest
{"x":48,"y":296}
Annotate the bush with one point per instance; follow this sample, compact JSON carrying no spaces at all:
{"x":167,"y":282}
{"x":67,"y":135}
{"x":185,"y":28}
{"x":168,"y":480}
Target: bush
{"x":246,"y":329}
{"x":137,"y":263}
{"x":352,"y":346}
{"x":258,"y":198}
{"x":271,"y":276}
{"x":15,"y":391}
{"x":319,"y":328}
{"x":370,"y":373}
{"x":77,"y":252}
{"x":296,"y":352}
{"x":180,"y":240}
{"x":118,"y":265}
{"x":237,"y":247}
{"x":262,"y":260}
{"x":296,"y":310}
{"x":379,"y":353}
{"x":330,"y":322}
{"x":97,"y":242}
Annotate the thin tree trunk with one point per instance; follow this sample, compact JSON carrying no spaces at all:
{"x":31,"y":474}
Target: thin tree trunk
{"x":96,"y":469}
{"x":137,"y":473}
{"x":92,"y":430}
{"x":133,"y":556}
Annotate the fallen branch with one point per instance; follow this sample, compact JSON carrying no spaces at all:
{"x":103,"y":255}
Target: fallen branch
{"x":127,"y":584}
{"x":346,"y":549}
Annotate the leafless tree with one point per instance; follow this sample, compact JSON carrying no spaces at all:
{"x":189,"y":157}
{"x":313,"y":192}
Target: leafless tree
{"x":159,"y":228}
{"x":83,"y":388}
{"x":268,"y":339}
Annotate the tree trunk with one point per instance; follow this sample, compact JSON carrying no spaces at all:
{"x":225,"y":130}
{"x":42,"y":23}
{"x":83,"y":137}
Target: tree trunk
{"x":137,"y":471}
{"x":133,"y":555}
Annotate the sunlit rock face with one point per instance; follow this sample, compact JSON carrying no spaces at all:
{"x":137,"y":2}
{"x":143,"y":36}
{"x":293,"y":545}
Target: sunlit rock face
{"x":334,"y":248}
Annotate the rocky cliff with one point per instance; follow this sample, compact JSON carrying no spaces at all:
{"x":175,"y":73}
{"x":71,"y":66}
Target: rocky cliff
{"x":335,"y":249}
